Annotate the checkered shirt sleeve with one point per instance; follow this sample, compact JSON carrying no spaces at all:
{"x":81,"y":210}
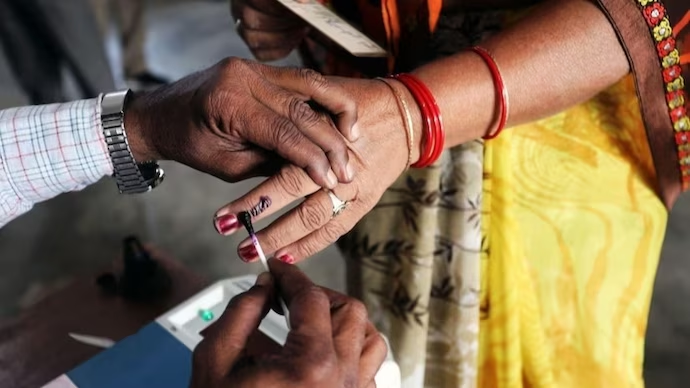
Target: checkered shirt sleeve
{"x":47,"y":150}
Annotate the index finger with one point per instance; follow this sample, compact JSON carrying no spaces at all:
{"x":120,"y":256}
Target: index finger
{"x":226,"y":338}
{"x":309,"y":306}
{"x":287,"y":186}
{"x":319,"y":89}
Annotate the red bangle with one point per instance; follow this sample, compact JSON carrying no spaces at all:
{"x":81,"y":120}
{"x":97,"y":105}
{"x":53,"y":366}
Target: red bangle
{"x":501,"y":92}
{"x":433,"y":136}
{"x":439,"y":133}
{"x":426,"y":108}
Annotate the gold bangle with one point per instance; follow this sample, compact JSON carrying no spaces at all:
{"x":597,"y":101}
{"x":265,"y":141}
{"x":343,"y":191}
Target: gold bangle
{"x":405,"y":109}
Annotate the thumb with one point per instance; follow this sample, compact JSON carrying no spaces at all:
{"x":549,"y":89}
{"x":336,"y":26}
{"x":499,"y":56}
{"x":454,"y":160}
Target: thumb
{"x":227,"y":337}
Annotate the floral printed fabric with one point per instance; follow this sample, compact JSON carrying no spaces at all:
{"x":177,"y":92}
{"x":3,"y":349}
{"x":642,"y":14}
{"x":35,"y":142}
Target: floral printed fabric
{"x":415,"y":258}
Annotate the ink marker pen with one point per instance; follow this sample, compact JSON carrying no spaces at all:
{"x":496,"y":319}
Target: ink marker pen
{"x":246,"y":219}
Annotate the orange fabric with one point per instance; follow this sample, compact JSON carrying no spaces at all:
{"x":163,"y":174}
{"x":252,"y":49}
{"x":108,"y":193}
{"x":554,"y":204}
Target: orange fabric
{"x":391,"y":21}
{"x":681,"y":36}
{"x":394,"y":17}
{"x":682,"y":24}
{"x":435,"y":7}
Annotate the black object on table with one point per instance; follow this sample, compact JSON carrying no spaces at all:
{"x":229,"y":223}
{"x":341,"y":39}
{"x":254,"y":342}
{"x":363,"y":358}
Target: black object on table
{"x":142,"y":277}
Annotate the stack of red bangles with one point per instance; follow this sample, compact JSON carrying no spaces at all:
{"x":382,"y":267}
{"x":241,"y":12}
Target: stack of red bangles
{"x":433,"y":133}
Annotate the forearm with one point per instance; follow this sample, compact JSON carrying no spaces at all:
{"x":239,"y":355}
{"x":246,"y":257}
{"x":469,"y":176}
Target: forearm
{"x":48,"y":150}
{"x":561,"y":54}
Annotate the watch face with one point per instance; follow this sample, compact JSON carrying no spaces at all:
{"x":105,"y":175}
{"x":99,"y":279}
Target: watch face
{"x":148,"y":170}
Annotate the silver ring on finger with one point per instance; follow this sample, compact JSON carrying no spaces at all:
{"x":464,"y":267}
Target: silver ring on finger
{"x":238,"y":23}
{"x":338,"y":204}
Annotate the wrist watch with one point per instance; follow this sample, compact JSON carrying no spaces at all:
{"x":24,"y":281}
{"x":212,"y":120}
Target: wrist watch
{"x":131,"y":177}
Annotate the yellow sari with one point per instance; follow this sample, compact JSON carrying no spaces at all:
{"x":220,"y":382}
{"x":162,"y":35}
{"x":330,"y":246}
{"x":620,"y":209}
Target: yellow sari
{"x":575,"y":229}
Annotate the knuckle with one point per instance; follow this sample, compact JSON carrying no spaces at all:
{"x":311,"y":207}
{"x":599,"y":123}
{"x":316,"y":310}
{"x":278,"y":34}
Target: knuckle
{"x":322,"y":371}
{"x":378,"y":345}
{"x":211,"y":108}
{"x":231,"y":65}
{"x":254,"y":42}
{"x":250,"y":40}
{"x":310,"y":247}
{"x":338,"y":147}
{"x":311,"y":294}
{"x":313,"y":79}
{"x":285,"y":134}
{"x":350,"y":378}
{"x":365,"y":202}
{"x":352,"y":107}
{"x":284,"y":131}
{"x":349,"y":104}
{"x":332,"y":232}
{"x":357,"y":311}
{"x":290,"y":182}
{"x":313,"y":214}
{"x":271,"y":242}
{"x":208,"y":104}
{"x":249,"y":19}
{"x":300,"y":112}
{"x":220,"y":102}
{"x":318,"y":164}
{"x":257,"y":43}
{"x":328,"y":234}
{"x":347,"y":101}
{"x":318,"y":370}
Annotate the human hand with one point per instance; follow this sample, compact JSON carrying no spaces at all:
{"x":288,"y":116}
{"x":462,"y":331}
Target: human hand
{"x":331,"y":344}
{"x":269,"y":29}
{"x":378,"y":157}
{"x":240,"y":119}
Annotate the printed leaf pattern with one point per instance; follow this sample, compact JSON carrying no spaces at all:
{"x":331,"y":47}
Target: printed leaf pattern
{"x":415,"y":258}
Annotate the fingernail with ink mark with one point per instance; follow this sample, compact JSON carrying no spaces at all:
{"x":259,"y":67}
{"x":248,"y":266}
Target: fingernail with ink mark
{"x":226,"y":224}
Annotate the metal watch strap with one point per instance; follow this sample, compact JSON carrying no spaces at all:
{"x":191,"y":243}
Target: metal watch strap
{"x":131,"y":177}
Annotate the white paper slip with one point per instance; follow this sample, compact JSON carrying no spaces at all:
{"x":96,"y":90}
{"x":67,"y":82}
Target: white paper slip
{"x":335,"y":28}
